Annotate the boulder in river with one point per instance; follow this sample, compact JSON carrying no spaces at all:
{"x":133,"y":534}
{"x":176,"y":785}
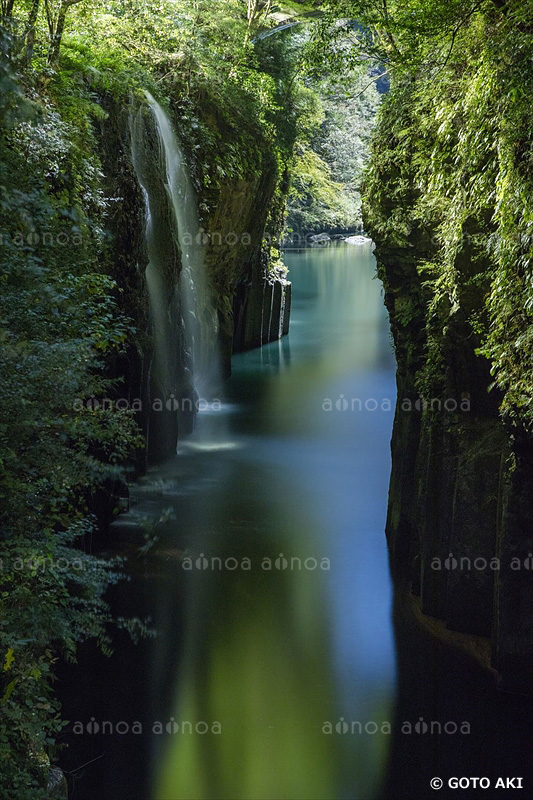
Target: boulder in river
{"x":358,"y":240}
{"x":319,"y":238}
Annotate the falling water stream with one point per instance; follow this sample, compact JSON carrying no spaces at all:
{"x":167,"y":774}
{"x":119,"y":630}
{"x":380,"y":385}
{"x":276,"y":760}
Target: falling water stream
{"x":187,"y":293}
{"x":197,"y":301}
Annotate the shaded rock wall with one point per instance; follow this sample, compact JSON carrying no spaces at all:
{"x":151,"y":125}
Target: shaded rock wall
{"x":448,"y":202}
{"x":261,"y":311}
{"x":460,"y":506}
{"x":253,"y":296}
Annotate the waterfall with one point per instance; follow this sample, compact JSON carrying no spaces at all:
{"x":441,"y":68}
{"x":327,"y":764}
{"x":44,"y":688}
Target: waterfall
{"x":182,"y":308}
{"x":155,"y":273}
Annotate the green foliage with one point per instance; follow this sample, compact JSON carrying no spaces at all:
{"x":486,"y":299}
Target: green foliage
{"x":451,"y":175}
{"x":58,"y":322}
{"x":336,"y":121}
{"x":315,"y":199}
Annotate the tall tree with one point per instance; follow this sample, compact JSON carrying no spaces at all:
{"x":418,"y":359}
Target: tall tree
{"x":28,"y":37}
{"x":6,"y":10}
{"x":56,"y":18}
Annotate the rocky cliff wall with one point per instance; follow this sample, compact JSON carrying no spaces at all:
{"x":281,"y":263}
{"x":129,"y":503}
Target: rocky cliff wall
{"x":461,"y":492}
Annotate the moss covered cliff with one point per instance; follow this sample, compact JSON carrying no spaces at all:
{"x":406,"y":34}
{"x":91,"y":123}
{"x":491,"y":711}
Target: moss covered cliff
{"x":448,"y":202}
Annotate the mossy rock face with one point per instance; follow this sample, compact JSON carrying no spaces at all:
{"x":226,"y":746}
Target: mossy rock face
{"x":458,"y":483}
{"x":460,"y":327}
{"x":236,"y":256}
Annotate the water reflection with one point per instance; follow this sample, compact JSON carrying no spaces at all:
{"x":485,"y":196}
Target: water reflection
{"x":275,"y":653}
{"x":285,"y":655}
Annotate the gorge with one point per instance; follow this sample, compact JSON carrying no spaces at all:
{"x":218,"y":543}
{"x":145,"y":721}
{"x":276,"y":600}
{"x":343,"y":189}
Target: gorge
{"x":217,"y":578}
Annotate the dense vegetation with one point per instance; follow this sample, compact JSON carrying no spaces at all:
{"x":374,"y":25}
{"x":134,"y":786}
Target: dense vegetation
{"x":59,"y":322}
{"x":331,"y":153}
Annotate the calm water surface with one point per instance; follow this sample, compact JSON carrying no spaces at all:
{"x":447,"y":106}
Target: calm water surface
{"x":269,"y":581}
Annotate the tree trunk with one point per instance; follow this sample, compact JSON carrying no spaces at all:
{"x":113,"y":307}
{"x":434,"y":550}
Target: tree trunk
{"x":29,"y":32}
{"x":56,"y":36}
{"x":7,"y":9}
{"x":255,"y":9}
{"x":56,"y":31}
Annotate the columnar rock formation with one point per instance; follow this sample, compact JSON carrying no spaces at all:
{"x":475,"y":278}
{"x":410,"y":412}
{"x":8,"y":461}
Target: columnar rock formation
{"x":460,"y":508}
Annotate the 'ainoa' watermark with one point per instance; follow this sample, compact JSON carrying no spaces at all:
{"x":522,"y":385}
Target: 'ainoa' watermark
{"x":47,"y":239}
{"x":125,"y":727}
{"x":480,"y":563}
{"x":173,"y":403}
{"x":217,"y":238}
{"x":435,"y":404}
{"x":438,"y":404}
{"x":41,"y":564}
{"x":230,"y":563}
{"x":357,"y":404}
{"x":371,"y":727}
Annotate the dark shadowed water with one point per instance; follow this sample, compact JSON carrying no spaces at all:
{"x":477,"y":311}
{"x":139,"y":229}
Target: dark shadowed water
{"x":269,"y":580}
